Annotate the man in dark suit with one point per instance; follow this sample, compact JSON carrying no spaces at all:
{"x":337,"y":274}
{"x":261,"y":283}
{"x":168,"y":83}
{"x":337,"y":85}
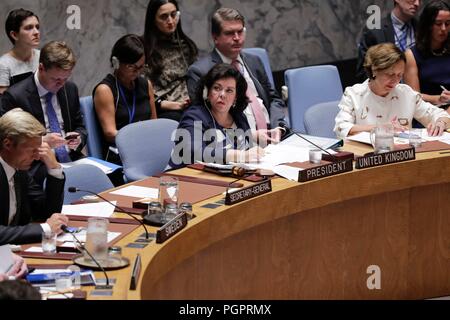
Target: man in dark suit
{"x":228,"y":32}
{"x":54,"y":101}
{"x":398,"y":27}
{"x":21,"y":199}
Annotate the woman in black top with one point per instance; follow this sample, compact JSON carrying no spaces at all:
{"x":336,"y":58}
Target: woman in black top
{"x":123,"y":97}
{"x":169,"y":53}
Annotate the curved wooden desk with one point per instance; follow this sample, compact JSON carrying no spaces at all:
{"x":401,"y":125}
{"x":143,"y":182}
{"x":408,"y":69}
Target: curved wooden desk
{"x":315,"y":240}
{"x":312,"y":240}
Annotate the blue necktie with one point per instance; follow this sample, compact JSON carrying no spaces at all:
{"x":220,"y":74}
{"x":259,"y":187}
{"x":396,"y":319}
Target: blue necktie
{"x":403,"y":37}
{"x":61,"y":152}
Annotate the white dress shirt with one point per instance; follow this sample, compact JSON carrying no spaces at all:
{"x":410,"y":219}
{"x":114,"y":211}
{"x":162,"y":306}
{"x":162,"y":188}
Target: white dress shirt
{"x":359,"y":105}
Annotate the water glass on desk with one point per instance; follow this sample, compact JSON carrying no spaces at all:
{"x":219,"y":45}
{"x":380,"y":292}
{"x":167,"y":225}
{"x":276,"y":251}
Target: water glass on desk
{"x":97,"y":239}
{"x":168,"y":191}
{"x":415,"y":138}
{"x":382,"y":138}
{"x":48,"y":242}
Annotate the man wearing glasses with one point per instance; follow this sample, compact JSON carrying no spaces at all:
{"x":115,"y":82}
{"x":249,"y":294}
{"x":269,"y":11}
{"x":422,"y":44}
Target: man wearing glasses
{"x":398,"y":27}
{"x":265,"y":110}
{"x":54,"y":101}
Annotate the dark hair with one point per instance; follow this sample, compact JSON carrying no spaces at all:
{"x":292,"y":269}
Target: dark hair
{"x":223,"y":71}
{"x":18,"y":290}
{"x":15,"y":19}
{"x":128,"y":49}
{"x":425,"y":26}
{"x":152,"y":36}
{"x":224,"y":14}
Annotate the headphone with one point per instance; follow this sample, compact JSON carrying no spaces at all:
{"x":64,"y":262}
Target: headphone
{"x":205,"y":93}
{"x":115,"y":62}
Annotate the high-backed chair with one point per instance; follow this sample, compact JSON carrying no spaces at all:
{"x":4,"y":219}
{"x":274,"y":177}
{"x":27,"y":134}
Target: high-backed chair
{"x":94,"y":138}
{"x":320,"y":119}
{"x":308,"y":86}
{"x":85,"y":176}
{"x":145,"y":147}
{"x":262,"y":54}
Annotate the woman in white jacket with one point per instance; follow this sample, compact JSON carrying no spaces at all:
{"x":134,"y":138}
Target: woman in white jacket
{"x":382,"y":98}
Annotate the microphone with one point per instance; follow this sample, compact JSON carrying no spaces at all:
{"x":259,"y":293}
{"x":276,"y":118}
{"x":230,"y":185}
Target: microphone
{"x":74,"y":190}
{"x":66,"y":230}
{"x":283,"y":125}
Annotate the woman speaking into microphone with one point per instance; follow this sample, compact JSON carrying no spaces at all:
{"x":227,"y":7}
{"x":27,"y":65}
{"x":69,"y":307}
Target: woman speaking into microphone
{"x":217,"y":130}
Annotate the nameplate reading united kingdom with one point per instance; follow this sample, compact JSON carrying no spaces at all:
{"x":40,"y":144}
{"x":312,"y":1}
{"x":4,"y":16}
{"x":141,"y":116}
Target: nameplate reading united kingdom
{"x":325,"y":170}
{"x":375,"y":160}
{"x":171,"y":228}
{"x":248,"y":192}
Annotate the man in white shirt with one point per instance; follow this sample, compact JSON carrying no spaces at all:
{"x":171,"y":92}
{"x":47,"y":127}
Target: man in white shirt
{"x":21,"y":199}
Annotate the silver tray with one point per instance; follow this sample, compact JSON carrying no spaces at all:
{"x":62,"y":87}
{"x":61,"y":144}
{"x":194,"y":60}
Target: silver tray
{"x":111,"y":264}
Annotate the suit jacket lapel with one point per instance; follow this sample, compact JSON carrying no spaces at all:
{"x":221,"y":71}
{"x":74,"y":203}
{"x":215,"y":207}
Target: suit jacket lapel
{"x":259,"y":88}
{"x":4,"y":197}
{"x":215,"y":57}
{"x":35,"y":101}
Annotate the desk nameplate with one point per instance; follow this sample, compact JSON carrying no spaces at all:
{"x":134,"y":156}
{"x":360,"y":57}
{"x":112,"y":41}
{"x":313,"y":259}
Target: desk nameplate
{"x":326,"y":170}
{"x":375,"y":160}
{"x":171,"y":228}
{"x":248,"y":192}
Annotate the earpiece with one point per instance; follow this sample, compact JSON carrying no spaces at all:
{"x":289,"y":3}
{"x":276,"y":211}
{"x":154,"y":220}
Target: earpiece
{"x":245,"y":30}
{"x":205,"y":93}
{"x":178,"y":14}
{"x":115,"y":62}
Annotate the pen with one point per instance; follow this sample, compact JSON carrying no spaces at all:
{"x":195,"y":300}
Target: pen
{"x":443,"y":88}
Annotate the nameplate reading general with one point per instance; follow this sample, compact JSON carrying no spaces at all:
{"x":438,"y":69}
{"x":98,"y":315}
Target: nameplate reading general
{"x":171,"y":228}
{"x":374,"y":160}
{"x":248,"y":192}
{"x":325,"y":170}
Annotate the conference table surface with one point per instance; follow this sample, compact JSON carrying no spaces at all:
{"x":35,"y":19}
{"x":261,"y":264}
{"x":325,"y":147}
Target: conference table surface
{"x":377,"y":233}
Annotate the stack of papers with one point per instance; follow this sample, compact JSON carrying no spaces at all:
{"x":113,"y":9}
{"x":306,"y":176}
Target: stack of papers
{"x":98,"y":209}
{"x":46,"y":277}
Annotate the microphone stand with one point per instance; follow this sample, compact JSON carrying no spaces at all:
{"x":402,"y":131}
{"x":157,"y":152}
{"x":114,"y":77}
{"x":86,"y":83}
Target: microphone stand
{"x":310,"y":142}
{"x":74,"y":189}
{"x":107,"y":286}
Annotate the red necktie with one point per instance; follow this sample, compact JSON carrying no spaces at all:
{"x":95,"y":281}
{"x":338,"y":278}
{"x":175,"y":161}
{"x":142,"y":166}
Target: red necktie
{"x":254,"y":102}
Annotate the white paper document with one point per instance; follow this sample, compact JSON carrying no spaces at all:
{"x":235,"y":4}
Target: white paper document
{"x":97,"y":209}
{"x":363,"y":137}
{"x":137,"y":192}
{"x":104,"y":168}
{"x":287,"y":172}
{"x":64,"y":237}
{"x":6,"y":259}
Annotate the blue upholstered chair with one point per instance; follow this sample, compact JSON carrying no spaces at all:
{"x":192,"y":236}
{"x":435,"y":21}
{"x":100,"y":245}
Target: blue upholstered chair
{"x":262,"y":54}
{"x":85,"y":176}
{"x":94,"y":139}
{"x":320,"y":119}
{"x":308,"y":86}
{"x":145,"y":147}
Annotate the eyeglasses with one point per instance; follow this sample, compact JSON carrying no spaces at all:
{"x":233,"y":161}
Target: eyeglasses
{"x":165,"y":16}
{"x":219,"y":90}
{"x":135,"y":68}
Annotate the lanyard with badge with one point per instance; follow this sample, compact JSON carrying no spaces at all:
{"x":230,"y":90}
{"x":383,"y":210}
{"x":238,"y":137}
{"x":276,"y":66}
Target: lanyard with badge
{"x":132,"y":110}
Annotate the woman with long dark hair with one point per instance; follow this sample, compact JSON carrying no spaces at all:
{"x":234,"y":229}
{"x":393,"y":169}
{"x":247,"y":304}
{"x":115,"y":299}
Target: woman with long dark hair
{"x":428,"y":63}
{"x":169,"y":52}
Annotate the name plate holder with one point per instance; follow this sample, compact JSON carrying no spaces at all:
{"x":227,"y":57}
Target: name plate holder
{"x":379,"y":159}
{"x":325,"y":170}
{"x":171,"y":228}
{"x":248,"y":192}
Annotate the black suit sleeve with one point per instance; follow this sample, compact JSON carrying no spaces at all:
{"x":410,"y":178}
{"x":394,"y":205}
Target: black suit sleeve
{"x":367,"y":40}
{"x":194,"y":75}
{"x":76,"y":118}
{"x":44,"y":203}
{"x":29,"y":233}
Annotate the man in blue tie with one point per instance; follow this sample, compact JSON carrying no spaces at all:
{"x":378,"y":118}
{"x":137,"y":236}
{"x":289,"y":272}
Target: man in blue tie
{"x":54,"y":101}
{"x":398,"y":27}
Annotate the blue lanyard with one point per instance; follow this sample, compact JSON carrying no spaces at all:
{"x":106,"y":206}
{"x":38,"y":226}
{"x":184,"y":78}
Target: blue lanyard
{"x":131,"y":111}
